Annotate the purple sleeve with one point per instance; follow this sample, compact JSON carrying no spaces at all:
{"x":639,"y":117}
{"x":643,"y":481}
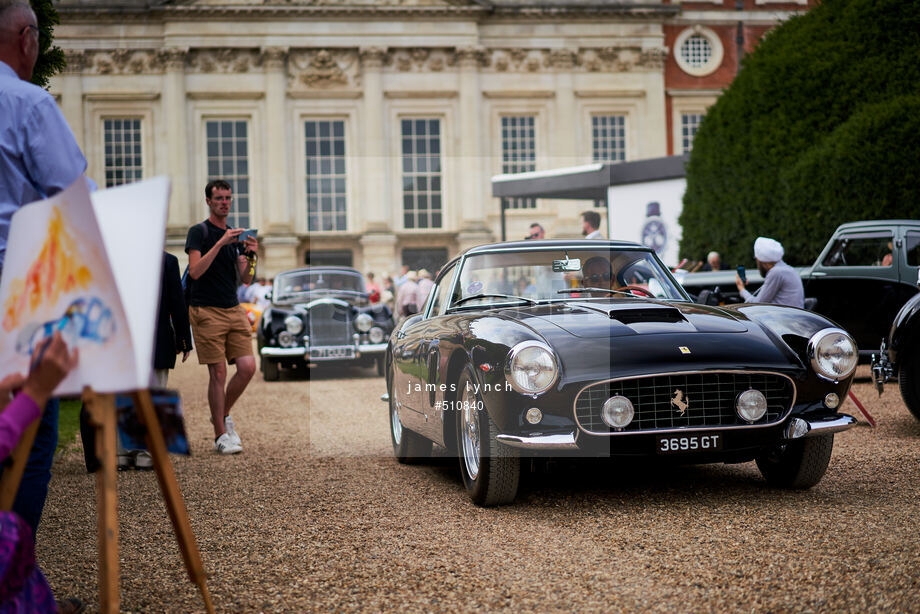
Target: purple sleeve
{"x":20,"y":413}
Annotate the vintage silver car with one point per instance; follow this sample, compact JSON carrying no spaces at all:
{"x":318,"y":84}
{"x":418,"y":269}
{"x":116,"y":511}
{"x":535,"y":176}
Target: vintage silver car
{"x":321,"y":315}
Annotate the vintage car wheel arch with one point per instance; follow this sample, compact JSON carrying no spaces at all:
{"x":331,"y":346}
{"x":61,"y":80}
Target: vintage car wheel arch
{"x":797,"y":464}
{"x":909,"y":383}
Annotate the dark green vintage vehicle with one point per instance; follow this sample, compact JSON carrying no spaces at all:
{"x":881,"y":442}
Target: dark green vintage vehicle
{"x":860,"y":280}
{"x":591,"y":349}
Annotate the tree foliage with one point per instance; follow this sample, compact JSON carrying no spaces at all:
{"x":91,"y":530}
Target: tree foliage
{"x":50,"y":58}
{"x":819,"y":128}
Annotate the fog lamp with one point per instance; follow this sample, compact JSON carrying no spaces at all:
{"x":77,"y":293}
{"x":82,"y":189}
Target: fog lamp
{"x":617,"y":412}
{"x":375,"y":335}
{"x":286,"y":339}
{"x":751,"y":405}
{"x":831,"y":401}
{"x":533,"y":415}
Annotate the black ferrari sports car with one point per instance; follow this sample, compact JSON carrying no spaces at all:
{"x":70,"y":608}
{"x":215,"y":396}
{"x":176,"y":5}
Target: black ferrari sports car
{"x":591,"y":348}
{"x":321,"y":315}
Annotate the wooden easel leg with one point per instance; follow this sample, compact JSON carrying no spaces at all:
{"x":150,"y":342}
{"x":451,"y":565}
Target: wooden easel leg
{"x":175,"y":505}
{"x":16,"y":465}
{"x":101,"y":409}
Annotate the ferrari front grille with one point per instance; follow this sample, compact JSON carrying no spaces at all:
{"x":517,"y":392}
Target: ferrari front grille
{"x":684,"y":400}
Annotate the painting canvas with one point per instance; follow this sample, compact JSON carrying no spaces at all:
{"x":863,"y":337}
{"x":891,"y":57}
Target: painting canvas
{"x":62,"y":270}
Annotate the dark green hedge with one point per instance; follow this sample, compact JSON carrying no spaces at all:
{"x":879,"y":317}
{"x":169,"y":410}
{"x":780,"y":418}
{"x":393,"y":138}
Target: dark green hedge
{"x":820,"y":127}
{"x":50,"y":59}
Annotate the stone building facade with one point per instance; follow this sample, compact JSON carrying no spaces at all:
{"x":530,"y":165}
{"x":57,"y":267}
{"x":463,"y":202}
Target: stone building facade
{"x":366,"y":132}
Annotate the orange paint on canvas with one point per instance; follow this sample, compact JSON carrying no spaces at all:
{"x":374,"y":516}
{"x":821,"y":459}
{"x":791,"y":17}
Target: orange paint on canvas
{"x":55,"y":271}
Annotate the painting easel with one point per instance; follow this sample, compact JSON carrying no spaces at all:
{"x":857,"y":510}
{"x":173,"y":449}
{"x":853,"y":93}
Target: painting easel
{"x":101,"y":408}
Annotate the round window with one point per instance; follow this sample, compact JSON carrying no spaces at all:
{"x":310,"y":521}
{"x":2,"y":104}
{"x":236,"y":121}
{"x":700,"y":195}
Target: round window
{"x":698,"y":51}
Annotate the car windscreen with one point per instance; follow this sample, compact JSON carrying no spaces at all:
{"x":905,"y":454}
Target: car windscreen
{"x":550,"y":275}
{"x":291,"y":284}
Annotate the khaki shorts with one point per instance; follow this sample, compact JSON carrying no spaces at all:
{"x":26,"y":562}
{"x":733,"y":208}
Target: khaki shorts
{"x":220,"y":334}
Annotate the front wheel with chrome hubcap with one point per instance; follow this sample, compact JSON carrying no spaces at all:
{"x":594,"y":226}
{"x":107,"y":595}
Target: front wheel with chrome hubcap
{"x":491,"y":471}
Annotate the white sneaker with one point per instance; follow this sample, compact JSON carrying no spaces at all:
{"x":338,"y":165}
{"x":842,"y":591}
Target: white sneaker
{"x":230,"y":429}
{"x":223,"y":445}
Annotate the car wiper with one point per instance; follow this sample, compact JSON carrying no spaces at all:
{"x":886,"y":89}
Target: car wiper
{"x":475,"y":296}
{"x":611,"y":291}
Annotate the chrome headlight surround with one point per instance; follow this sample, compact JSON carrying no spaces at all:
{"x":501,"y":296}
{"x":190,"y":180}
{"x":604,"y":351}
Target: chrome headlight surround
{"x":293,"y":324}
{"x":531,"y":367}
{"x":832,"y":353}
{"x":363,"y":322}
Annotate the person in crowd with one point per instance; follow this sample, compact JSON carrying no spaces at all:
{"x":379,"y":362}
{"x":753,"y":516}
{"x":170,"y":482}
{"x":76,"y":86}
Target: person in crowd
{"x":39,"y":157}
{"x":536,"y":232}
{"x":782,"y":285}
{"x":714,"y":263}
{"x":23,"y":587}
{"x":425,"y":284}
{"x":373,"y":288}
{"x":403,"y":276}
{"x":222,"y":332}
{"x":590,"y":223}
{"x":407,"y":295}
{"x":258,"y":293}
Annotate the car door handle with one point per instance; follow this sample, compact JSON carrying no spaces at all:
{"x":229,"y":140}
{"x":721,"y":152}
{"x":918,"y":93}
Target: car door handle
{"x":818,"y":274}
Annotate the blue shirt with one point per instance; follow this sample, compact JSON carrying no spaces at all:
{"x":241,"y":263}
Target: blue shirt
{"x":781,"y":286}
{"x":39,"y":156}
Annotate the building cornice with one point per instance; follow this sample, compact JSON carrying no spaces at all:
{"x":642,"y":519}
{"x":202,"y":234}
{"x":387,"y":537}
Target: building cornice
{"x":478,"y":12}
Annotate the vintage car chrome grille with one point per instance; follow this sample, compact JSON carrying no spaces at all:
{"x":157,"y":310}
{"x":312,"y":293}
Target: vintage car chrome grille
{"x":330,"y":324}
{"x":709,"y":398}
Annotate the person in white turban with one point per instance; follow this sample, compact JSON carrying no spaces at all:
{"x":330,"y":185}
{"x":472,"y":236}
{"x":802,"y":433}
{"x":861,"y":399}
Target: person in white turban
{"x":782,"y":285}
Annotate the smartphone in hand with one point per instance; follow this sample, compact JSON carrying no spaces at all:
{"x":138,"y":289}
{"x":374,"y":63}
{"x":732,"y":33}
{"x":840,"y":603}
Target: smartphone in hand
{"x":742,"y":274}
{"x":247,"y":234}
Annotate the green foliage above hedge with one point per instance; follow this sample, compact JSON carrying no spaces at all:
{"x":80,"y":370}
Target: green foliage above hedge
{"x":820,"y":127}
{"x":50,"y":59}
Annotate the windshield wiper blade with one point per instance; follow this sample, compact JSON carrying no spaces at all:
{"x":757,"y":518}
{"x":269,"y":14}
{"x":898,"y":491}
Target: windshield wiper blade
{"x":589,"y":289}
{"x":475,"y":296}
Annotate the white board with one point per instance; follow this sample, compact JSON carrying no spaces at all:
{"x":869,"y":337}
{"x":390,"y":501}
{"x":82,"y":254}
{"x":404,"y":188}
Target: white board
{"x":90,"y":268}
{"x":647,"y":213}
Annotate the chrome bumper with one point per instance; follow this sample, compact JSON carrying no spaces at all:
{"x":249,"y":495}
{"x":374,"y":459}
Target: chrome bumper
{"x":564,"y":441}
{"x":367,"y":348}
{"x":799,"y":427}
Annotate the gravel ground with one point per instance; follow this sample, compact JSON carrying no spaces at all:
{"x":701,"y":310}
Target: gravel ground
{"x":315,"y":515}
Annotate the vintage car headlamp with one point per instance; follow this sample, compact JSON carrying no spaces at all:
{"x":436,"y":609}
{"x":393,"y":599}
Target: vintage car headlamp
{"x":531,"y":367}
{"x":286,"y":339}
{"x":751,"y":405}
{"x":364,"y":322}
{"x":293,"y":324}
{"x":617,"y":412}
{"x":833,"y":353}
{"x":376,"y":335}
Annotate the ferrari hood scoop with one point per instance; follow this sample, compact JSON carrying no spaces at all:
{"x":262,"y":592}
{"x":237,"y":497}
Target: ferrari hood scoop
{"x":639,"y":317}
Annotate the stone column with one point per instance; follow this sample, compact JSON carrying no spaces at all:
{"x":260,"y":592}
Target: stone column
{"x":374,"y":193}
{"x":277,"y":215}
{"x":72,"y":100}
{"x":183,"y":210}
{"x":473,"y":166}
{"x":563,"y":148}
{"x":653,"y":142}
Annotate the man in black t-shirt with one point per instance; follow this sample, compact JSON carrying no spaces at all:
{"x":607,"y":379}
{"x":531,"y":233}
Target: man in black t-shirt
{"x":217,"y":264}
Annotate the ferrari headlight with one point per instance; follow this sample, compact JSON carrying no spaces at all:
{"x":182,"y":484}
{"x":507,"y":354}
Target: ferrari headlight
{"x":531,"y":367}
{"x":364,"y":322}
{"x":751,"y":405}
{"x":617,"y":412}
{"x":293,"y":324}
{"x":376,"y":335}
{"x":833,"y":353}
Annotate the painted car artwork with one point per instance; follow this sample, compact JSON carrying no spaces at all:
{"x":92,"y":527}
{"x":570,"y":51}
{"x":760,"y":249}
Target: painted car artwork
{"x":84,"y":320}
{"x":592,"y":349}
{"x":321,"y":315}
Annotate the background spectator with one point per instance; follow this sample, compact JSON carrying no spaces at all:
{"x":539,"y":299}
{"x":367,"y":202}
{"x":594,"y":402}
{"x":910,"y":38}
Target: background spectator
{"x":590,"y":222}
